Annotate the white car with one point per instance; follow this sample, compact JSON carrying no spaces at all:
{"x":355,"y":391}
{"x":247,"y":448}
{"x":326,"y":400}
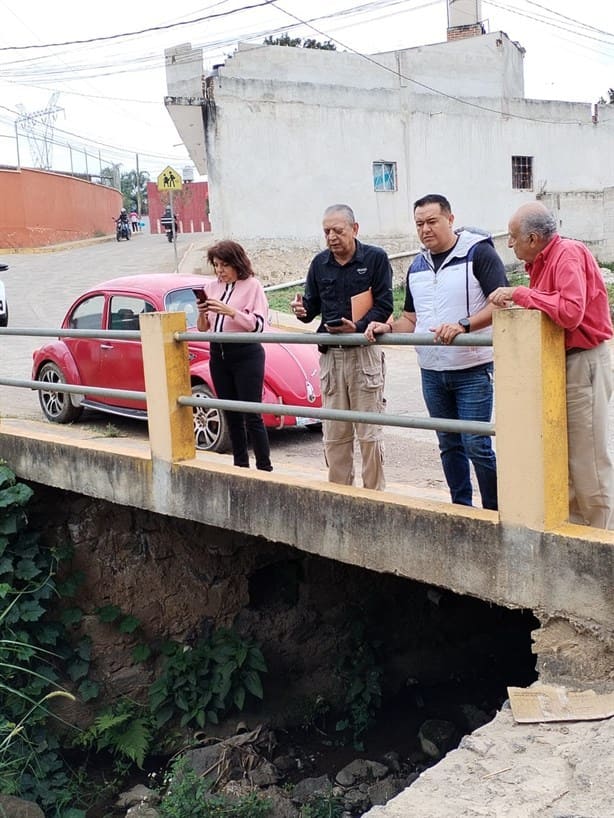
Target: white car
{"x":4,"y":307}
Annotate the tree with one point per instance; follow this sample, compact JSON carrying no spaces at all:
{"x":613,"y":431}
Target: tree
{"x":296,"y":42}
{"x":110,"y":176}
{"x":134,"y":190}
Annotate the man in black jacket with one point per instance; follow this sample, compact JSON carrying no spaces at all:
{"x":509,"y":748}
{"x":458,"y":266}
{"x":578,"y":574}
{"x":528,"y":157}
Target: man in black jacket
{"x":349,"y":285}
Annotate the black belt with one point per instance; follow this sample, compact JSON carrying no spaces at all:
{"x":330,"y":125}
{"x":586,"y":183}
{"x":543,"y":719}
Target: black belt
{"x":575,"y":350}
{"x":325,"y":347}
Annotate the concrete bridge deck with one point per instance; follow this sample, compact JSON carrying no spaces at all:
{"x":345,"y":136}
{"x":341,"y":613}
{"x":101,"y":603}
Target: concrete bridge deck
{"x":565,"y":573}
{"x":503,"y":770}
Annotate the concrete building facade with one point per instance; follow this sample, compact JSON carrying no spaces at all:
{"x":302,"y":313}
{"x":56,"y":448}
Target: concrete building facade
{"x":284,"y":132}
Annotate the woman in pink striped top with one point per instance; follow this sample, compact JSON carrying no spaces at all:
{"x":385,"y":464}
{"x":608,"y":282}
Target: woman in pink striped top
{"x":236,"y":302}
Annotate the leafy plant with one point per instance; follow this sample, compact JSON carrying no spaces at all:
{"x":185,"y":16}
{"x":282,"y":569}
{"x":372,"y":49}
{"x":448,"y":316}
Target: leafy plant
{"x":323,"y":806}
{"x":202,"y":683}
{"x":189,"y":796}
{"x":297,"y":42}
{"x":31,"y":644}
{"x":196,"y":685}
{"x":360,"y":670}
{"x":125,"y":730}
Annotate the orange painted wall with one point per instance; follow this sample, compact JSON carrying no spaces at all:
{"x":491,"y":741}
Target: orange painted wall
{"x":38,"y":208}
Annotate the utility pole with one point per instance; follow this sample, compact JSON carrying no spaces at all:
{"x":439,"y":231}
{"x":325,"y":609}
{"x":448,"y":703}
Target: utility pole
{"x":138,"y":188}
{"x":17,"y":144}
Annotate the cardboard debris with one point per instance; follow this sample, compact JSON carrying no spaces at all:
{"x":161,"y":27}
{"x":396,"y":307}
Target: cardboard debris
{"x":554,"y":703}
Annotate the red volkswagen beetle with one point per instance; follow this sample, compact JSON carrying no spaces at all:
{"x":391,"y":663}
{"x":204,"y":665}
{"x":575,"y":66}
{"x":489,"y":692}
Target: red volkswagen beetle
{"x":291,"y":371}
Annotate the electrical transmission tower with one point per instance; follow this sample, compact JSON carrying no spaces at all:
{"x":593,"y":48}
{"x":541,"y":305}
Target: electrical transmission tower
{"x":38,"y":127}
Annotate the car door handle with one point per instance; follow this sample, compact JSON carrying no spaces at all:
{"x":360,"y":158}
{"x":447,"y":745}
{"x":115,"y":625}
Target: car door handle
{"x":106,"y":346}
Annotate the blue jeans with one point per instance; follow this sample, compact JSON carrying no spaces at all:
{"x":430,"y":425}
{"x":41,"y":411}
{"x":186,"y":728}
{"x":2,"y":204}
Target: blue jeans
{"x":464,"y":394}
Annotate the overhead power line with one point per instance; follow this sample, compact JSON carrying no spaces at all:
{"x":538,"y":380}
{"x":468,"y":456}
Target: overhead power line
{"x":570,"y":19}
{"x":436,"y":91}
{"x":165,"y":27}
{"x":551,"y":22}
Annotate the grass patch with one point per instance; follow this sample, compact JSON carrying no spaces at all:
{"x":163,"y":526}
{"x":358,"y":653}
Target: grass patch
{"x":279,"y":300}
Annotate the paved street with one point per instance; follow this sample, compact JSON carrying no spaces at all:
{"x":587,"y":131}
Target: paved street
{"x":41,"y":286}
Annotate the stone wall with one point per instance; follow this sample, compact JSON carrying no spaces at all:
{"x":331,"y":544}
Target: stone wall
{"x":182,"y":579}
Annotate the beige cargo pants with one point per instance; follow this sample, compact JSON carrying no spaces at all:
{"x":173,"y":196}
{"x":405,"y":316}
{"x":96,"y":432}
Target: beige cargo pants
{"x":353,"y":378}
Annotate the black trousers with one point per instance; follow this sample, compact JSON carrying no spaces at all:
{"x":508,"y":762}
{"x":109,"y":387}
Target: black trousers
{"x":238,"y":374}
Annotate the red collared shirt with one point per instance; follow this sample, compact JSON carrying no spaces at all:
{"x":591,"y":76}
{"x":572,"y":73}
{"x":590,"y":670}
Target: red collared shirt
{"x":566,"y":283}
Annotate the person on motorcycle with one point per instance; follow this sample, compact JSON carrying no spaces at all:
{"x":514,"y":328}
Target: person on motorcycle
{"x":169,"y":223}
{"x":123,"y":223}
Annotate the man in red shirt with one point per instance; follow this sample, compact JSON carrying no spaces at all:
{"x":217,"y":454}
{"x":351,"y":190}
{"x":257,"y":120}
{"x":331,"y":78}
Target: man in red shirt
{"x":566,"y":283}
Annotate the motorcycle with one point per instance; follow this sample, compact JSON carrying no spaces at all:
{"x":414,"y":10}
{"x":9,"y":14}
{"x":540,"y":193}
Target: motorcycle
{"x":4,"y":307}
{"x":122,"y":230}
{"x":169,"y":227}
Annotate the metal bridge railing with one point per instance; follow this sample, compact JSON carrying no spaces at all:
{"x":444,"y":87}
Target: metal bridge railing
{"x":529,"y":394}
{"x":322,"y":339}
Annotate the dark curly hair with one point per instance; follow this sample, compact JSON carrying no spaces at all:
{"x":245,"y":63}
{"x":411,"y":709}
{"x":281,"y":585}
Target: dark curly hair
{"x":230,"y":252}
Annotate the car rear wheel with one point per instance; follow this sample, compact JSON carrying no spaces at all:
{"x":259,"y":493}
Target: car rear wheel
{"x":210,"y":425}
{"x":57,"y":406}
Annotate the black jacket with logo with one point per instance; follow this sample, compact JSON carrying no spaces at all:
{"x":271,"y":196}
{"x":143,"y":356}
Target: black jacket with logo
{"x":330,"y":286}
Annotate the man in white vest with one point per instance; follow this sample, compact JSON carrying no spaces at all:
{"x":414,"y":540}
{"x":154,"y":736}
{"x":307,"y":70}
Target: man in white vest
{"x":446,"y":294}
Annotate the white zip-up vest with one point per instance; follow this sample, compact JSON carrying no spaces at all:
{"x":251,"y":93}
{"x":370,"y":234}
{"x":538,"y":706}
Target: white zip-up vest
{"x":443,"y":297}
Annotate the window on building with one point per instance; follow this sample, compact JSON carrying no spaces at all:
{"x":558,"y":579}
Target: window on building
{"x":384,"y":176}
{"x":522,"y":172}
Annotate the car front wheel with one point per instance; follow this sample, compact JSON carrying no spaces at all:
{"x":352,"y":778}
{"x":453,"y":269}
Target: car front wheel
{"x":210,"y":425}
{"x":57,"y":406}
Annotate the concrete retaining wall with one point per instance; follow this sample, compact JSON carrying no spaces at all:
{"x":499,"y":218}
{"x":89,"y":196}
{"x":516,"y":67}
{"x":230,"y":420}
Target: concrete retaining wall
{"x":39,"y":208}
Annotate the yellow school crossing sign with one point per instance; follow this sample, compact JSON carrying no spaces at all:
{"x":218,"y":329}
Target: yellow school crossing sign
{"x":169,"y":179}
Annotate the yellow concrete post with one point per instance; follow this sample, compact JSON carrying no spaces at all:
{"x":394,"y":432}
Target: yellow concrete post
{"x":531,"y":419}
{"x":167,"y":376}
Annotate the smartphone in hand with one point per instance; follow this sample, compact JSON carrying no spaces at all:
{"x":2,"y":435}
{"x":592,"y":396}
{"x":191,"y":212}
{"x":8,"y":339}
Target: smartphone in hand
{"x":200,"y":294}
{"x":334,"y":322}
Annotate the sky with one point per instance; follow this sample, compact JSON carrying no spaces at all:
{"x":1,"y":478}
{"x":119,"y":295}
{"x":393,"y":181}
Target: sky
{"x":108,"y":91}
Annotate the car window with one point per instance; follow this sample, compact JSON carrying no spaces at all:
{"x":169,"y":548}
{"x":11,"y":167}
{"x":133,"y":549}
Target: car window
{"x":88,"y":314}
{"x":179,"y":300}
{"x":125,"y":309}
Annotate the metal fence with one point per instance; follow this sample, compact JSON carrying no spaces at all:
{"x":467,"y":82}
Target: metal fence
{"x":323,"y":339}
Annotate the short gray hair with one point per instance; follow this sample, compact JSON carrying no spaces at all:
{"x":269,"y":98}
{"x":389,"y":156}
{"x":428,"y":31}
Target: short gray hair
{"x":542,"y":222}
{"x":346,"y":210}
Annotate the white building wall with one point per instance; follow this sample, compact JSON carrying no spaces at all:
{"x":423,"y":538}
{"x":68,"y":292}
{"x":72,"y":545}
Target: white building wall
{"x":292,"y":158}
{"x":488,"y":66}
{"x":466,"y":153}
{"x":291,"y":131}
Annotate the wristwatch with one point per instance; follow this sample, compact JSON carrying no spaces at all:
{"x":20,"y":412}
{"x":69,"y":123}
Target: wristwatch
{"x":465,"y":324}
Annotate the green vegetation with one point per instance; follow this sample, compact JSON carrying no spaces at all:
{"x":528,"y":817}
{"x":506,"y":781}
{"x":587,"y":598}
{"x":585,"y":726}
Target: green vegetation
{"x":279,"y":300}
{"x":188,"y":795}
{"x":359,"y":668}
{"x":40,"y":651}
{"x":323,"y":806}
{"x":296,"y":42}
{"x":134,"y":188}
{"x":33,"y":646}
{"x":202,"y":683}
{"x":196,"y":686}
